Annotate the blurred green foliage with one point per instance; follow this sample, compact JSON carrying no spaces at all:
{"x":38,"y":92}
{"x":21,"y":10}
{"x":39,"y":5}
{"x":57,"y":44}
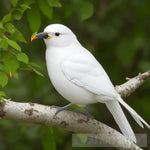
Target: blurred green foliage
{"x":116,"y":32}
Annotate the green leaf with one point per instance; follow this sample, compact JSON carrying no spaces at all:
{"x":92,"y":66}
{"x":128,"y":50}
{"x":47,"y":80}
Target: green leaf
{"x":15,"y":75}
{"x":29,"y":2}
{"x":1,"y":25}
{"x":2,"y":94}
{"x":17,"y":15}
{"x":14,"y":2}
{"x":3,"y":43}
{"x":54,"y":3}
{"x":47,"y":138}
{"x":37,"y":72}
{"x":10,"y":27}
{"x":34,"y":64}
{"x":3,"y":79}
{"x":6,"y":18}
{"x":34,"y":18}
{"x":10,"y":63}
{"x":46,"y":9}
{"x":86,"y":11}
{"x":23,"y":58}
{"x":23,"y":8}
{"x":14,"y":44}
{"x":17,"y":36}
{"x":1,"y":67}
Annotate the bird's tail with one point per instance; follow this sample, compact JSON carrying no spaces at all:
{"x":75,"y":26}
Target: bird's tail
{"x":136,"y":117}
{"x":118,"y":114}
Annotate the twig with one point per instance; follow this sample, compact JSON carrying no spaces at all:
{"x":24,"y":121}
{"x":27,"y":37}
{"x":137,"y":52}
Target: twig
{"x":132,"y":84}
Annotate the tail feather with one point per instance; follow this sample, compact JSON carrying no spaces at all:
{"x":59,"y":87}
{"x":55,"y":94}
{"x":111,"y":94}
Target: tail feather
{"x":117,"y":112}
{"x":137,"y":118}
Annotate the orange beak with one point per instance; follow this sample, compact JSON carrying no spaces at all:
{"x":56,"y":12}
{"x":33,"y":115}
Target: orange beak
{"x":34,"y":38}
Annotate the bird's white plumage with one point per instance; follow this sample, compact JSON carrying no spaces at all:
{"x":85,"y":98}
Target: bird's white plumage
{"x":80,"y":78}
{"x":83,"y":70}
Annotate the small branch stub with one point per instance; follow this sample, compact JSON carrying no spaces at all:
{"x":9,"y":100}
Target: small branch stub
{"x":132,"y":84}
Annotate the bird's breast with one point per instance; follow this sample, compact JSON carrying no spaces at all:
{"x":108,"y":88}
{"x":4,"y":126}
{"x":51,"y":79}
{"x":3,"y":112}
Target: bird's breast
{"x":66,"y":88}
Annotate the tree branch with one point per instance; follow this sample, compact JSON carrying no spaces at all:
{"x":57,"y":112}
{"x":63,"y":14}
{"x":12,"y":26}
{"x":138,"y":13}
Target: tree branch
{"x":132,"y":84}
{"x":71,"y":121}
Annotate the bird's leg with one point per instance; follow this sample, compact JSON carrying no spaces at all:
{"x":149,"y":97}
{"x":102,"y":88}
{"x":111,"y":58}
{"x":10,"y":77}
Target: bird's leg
{"x":86,"y":112}
{"x":59,"y":109}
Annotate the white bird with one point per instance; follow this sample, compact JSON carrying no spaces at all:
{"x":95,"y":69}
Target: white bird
{"x":80,"y":78}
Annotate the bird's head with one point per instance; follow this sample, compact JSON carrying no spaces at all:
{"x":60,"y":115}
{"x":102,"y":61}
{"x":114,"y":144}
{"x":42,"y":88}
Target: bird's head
{"x":56,"y":35}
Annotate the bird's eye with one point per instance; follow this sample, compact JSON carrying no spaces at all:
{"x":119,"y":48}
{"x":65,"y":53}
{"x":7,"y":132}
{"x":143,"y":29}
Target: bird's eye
{"x":57,"y":33}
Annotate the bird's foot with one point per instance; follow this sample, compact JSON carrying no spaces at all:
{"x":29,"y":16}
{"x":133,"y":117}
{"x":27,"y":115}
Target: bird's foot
{"x":86,"y":113}
{"x":59,"y":109}
{"x":54,"y":106}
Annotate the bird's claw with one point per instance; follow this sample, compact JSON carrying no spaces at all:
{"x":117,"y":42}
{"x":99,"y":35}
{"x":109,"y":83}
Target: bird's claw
{"x":59,"y":109}
{"x":86,"y":113}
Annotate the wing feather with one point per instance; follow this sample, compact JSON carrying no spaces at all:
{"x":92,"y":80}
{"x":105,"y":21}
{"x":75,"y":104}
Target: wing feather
{"x":85,"y":71}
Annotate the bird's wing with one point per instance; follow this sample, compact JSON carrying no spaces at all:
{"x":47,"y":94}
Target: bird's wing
{"x":85,"y":71}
